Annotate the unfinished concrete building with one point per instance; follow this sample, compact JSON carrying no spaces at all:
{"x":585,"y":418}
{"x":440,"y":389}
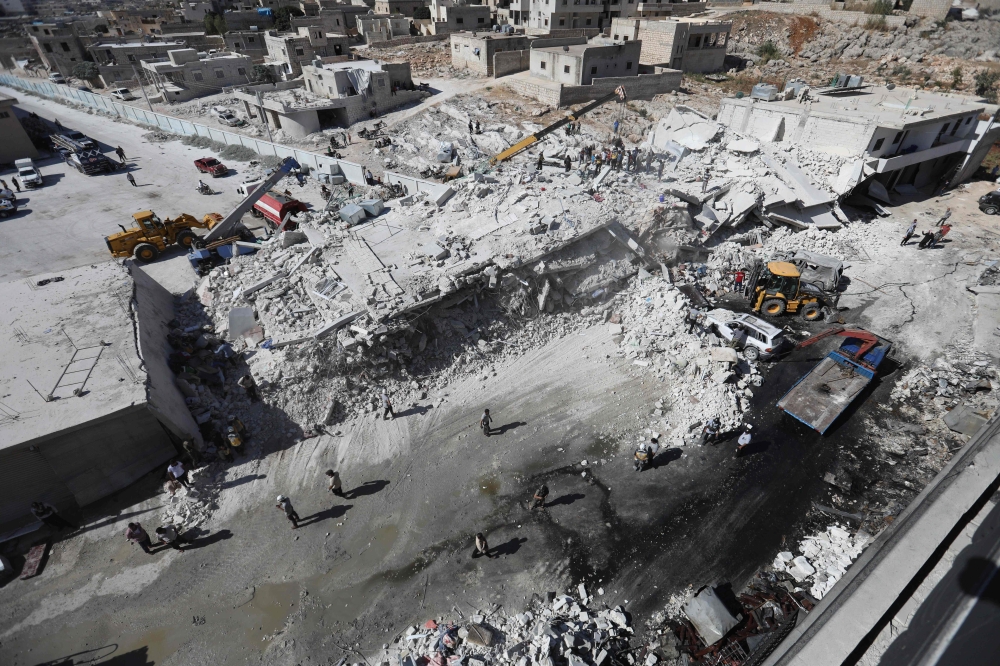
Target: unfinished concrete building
{"x":185,"y":73}
{"x":579,"y":65}
{"x":336,"y":18}
{"x":237,"y":20}
{"x":287,"y":52}
{"x":60,"y":45}
{"x":547,"y":15}
{"x":90,"y":402}
{"x":899,"y":137}
{"x":335,"y":95}
{"x":477,"y":52}
{"x":121,"y":61}
{"x":247,"y":42}
{"x":687,"y":44}
{"x":449,"y":16}
{"x":381,"y":29}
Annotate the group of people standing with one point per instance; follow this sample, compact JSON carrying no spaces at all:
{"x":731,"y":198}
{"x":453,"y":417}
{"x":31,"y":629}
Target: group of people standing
{"x":930,"y":237}
{"x":619,"y":159}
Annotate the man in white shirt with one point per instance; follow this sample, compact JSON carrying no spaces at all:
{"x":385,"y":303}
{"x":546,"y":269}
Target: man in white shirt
{"x":744,"y":440}
{"x":176,"y":470}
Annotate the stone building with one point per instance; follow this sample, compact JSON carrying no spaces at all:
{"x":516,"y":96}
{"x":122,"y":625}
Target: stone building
{"x":398,"y":7}
{"x":247,"y":42}
{"x":381,"y":29}
{"x":580,"y":64}
{"x":185,"y":73}
{"x":449,"y":16}
{"x":60,"y":45}
{"x":547,"y":15}
{"x":287,"y":52}
{"x":476,"y":53}
{"x":687,"y":44}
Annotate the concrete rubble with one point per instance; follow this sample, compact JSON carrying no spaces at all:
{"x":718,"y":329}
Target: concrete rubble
{"x":824,"y":560}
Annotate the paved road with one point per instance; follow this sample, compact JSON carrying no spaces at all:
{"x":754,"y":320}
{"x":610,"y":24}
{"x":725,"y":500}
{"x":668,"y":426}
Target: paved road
{"x":63,"y":224}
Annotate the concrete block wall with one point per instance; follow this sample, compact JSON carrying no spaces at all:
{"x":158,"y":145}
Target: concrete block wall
{"x":935,"y":9}
{"x":544,"y":91}
{"x":644,"y":86}
{"x":511,"y":62}
{"x":824,"y":12}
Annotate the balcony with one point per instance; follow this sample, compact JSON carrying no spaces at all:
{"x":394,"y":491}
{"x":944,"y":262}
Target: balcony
{"x":901,"y":161}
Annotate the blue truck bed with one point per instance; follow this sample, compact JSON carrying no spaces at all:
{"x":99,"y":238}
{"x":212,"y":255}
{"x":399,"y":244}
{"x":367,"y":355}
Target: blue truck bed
{"x":826,"y":391}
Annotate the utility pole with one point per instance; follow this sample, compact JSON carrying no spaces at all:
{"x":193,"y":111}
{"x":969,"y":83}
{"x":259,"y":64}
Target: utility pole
{"x":141,"y":87}
{"x":263,"y":116}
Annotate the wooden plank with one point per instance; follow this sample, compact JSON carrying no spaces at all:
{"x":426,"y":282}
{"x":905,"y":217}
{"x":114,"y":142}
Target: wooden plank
{"x":33,"y":560}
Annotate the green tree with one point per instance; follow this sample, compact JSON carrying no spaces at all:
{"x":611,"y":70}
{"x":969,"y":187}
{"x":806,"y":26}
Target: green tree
{"x":86,"y":71}
{"x":956,"y":78}
{"x":210,"y":27}
{"x":220,"y":24}
{"x":986,"y":84}
{"x":261,"y":74}
{"x":283,"y":17}
{"x":422,"y":13}
{"x":768,"y":51}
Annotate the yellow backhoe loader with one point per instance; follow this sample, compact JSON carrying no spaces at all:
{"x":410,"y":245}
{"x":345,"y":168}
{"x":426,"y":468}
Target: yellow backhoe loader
{"x":150,"y":236}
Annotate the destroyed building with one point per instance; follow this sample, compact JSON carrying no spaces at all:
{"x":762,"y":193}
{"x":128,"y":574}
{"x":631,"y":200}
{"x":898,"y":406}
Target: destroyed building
{"x":690,"y":45}
{"x":185,"y":73}
{"x":90,"y":403}
{"x":476,"y":52}
{"x":288,"y":51}
{"x":894,"y":136}
{"x":118,"y":61}
{"x":335,"y":17}
{"x":60,"y":45}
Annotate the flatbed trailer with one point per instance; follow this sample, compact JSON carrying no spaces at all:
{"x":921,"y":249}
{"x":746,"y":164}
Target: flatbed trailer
{"x":827,"y":390}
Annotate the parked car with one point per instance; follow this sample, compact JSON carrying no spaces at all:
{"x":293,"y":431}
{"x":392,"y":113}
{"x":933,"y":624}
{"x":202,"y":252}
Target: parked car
{"x":818,"y":269}
{"x":212,"y":166}
{"x":757,"y":338}
{"x":56,"y":77}
{"x":123,"y":94}
{"x":27,"y":173}
{"x":230,"y":120}
{"x":84,"y":89}
{"x":989,"y":203}
{"x":8,"y":204}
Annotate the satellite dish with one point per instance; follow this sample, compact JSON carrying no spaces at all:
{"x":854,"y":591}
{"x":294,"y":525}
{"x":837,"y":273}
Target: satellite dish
{"x":890,"y":86}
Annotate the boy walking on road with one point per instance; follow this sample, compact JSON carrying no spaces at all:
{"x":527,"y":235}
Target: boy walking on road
{"x":485,"y":422}
{"x":910,"y":232}
{"x":386,"y":406}
{"x":335,"y":486}
{"x":137,"y":535}
{"x":131,"y":179}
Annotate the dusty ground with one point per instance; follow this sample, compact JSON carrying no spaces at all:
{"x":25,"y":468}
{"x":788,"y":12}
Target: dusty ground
{"x":397,"y":550}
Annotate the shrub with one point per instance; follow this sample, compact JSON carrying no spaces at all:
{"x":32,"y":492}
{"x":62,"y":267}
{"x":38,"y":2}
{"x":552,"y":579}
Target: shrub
{"x":879,"y":7}
{"x":956,"y":78}
{"x":86,"y":70}
{"x":876,"y":23}
{"x":986,"y":84}
{"x":422,"y":13}
{"x":768,"y":51}
{"x":901,"y":71}
{"x":261,"y":74}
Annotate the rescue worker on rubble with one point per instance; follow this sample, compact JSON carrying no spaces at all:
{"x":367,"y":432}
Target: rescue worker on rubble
{"x":541,"y":161}
{"x":238,"y":426}
{"x":642,"y":457}
{"x":247,"y":384}
{"x":568,"y":163}
{"x":710,"y":433}
{"x":538,"y":499}
{"x":234,"y":441}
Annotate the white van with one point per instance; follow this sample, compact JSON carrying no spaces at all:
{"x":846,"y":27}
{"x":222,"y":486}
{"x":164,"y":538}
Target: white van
{"x":56,"y":77}
{"x":123,"y":94}
{"x":27,"y":173}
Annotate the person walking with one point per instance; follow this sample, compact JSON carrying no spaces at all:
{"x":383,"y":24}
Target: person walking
{"x":659,"y":171}
{"x":285,"y":504}
{"x":541,"y":161}
{"x":738,"y":280}
{"x":138,"y":536}
{"x":486,"y":422}
{"x":911,"y":231}
{"x":470,"y":127}
{"x":48,"y":515}
{"x":743,"y":441}
{"x":649,"y":160}
{"x":568,"y":163}
{"x":945,"y":228}
{"x":386,"y":406}
{"x":176,"y":471}
{"x":538,"y":499}
{"x":478,"y":128}
{"x":944,"y":218}
{"x":169,"y":535}
{"x":482,"y":547}
{"x":334,"y":485}
{"x":120,"y":153}
{"x":131,"y":179}
{"x":17,"y":185}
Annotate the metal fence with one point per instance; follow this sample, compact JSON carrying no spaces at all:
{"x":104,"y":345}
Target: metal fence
{"x":315,"y":161}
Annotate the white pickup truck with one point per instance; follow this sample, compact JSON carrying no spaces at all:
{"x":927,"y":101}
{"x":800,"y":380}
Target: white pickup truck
{"x":27,"y":173}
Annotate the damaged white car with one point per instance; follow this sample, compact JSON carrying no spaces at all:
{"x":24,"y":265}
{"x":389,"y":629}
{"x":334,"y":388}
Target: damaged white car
{"x":755,"y":337}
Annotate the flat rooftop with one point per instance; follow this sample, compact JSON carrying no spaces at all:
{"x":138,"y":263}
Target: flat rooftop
{"x":135,"y":45}
{"x":40,"y":324}
{"x":889,"y":108}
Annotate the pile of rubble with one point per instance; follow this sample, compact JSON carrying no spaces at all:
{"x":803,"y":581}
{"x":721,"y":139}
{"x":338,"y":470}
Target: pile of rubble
{"x":957,"y":393}
{"x":563,"y":631}
{"x":824,"y":560}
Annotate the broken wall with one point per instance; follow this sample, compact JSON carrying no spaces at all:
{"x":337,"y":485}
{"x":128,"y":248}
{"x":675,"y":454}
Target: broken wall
{"x":644,"y":86}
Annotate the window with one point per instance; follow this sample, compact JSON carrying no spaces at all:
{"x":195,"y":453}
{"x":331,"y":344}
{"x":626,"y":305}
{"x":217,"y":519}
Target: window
{"x":968,"y":120}
{"x":65,"y":46}
{"x":955,"y":128}
{"x":219,"y":74}
{"x":878,"y":145}
{"x":459,"y":20}
{"x":593,"y":70}
{"x":547,"y":22}
{"x":198,"y":76}
{"x":381,"y":83}
{"x":131,"y":57}
{"x":899,"y":135}
{"x":544,"y":65}
{"x":48,"y":48}
{"x":480,"y":20}
{"x":4,"y":114}
{"x":456,"y":47}
{"x":251,"y":40}
{"x":299,"y":51}
{"x":242,"y":71}
{"x":588,"y":21}
{"x":565,"y":69}
{"x":628,"y":65}
{"x":562,"y":21}
{"x":616,"y":37}
{"x":626,"y":38}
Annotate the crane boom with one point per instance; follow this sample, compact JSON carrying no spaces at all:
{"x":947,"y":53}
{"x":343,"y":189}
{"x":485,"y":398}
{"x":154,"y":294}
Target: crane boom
{"x":222,"y":229}
{"x":528,"y":141}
